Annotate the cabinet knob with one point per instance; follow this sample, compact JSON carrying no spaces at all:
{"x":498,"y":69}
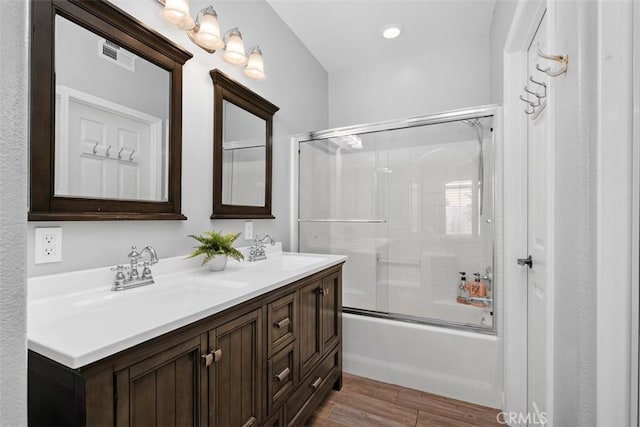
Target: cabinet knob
{"x":282,"y":375}
{"x":316,"y":383}
{"x":212,"y":357}
{"x":324,"y":291}
{"x":283,"y":323}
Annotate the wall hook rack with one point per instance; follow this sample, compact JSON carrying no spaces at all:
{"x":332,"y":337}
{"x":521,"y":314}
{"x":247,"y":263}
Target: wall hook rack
{"x":562,"y":59}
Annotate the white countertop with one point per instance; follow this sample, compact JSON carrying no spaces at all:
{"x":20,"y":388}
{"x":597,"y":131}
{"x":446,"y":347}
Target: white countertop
{"x":75,"y":318}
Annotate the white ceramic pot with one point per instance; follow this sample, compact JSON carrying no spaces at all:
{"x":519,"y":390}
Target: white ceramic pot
{"x":218,"y":263}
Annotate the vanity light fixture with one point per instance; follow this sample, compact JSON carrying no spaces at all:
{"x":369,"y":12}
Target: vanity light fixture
{"x":234,"y":47}
{"x":255,"y":65}
{"x":177,"y":13}
{"x":204,"y":31}
{"x":391,"y":32}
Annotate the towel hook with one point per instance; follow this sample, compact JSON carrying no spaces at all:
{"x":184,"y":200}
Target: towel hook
{"x":106,"y":153}
{"x":537,"y":95}
{"x":94,"y":148}
{"x":562,"y":59}
{"x":120,"y":153}
{"x":529,"y":104}
{"x":543,"y":84}
{"x":131,"y":155}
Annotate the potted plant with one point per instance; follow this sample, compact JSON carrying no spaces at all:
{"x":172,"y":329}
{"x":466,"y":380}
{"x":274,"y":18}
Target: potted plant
{"x":217,"y":248}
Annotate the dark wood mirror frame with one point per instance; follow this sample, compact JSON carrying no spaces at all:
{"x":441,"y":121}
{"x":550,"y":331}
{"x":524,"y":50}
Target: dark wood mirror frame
{"x":104,"y":19}
{"x":227,"y":89}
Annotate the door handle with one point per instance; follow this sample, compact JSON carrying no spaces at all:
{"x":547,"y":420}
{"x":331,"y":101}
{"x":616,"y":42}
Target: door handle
{"x":526,"y":261}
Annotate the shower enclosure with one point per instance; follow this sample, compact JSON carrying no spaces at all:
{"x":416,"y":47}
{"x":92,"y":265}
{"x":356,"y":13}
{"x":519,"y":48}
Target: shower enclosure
{"x":411,"y":202}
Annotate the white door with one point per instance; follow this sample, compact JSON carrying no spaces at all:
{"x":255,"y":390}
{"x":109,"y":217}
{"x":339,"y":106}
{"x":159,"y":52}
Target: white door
{"x":539,"y":348}
{"x":104,"y":150}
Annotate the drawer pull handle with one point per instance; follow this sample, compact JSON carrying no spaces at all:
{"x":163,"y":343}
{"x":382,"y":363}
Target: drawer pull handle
{"x":252,"y":421}
{"x":283,"y":323}
{"x":214,"y":356}
{"x":324,"y":292}
{"x":282,"y":375}
{"x":316,"y":383}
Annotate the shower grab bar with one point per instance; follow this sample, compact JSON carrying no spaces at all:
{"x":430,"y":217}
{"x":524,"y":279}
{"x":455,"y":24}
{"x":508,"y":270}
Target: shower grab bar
{"x":357,"y":221}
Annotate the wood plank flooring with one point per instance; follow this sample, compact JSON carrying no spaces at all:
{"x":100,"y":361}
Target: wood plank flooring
{"x":368,"y":403}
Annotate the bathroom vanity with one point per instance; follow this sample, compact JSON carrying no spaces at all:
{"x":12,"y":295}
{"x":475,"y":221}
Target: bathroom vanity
{"x":257,"y":344}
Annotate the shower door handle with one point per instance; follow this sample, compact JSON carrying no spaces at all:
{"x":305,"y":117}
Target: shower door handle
{"x":526,"y":261}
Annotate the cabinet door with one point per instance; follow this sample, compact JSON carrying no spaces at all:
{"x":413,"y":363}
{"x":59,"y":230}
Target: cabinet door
{"x":310,"y":338}
{"x":235,"y":378}
{"x":161,"y":390}
{"x":331,"y":312}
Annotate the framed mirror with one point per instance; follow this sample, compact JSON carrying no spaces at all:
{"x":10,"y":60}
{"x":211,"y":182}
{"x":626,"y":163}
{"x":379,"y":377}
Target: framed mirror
{"x":242,"y":139}
{"x":106,"y":115}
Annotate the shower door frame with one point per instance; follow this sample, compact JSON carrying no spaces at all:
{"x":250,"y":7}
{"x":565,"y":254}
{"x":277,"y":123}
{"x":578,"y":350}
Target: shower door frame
{"x":490,"y":110}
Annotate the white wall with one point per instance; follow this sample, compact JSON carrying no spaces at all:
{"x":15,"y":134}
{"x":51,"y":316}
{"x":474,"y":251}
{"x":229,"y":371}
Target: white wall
{"x":14,"y":36}
{"x":441,"y":77}
{"x":296,"y":83}
{"x":502,"y":17}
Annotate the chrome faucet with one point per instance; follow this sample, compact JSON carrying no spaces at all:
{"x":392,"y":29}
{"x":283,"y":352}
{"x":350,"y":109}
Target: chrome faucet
{"x":256,"y":251}
{"x":135,"y":278}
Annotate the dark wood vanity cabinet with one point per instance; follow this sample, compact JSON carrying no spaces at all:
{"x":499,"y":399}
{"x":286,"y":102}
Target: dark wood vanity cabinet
{"x":266,"y":362}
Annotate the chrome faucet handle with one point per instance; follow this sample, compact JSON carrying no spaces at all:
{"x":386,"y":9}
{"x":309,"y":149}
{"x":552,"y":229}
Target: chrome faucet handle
{"x":146,"y":271}
{"x":134,"y":254}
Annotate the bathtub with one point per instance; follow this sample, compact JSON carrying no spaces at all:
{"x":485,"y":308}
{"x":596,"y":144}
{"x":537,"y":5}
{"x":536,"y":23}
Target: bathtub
{"x":458,"y":364}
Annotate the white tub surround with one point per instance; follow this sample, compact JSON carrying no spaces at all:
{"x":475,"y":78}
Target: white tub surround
{"x":75,"y":318}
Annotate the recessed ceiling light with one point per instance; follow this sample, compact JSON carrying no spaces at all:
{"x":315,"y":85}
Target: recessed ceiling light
{"x":391,"y":32}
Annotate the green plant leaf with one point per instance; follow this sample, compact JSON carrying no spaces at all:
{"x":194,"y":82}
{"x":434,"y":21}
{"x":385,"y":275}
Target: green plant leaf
{"x":214,"y":243}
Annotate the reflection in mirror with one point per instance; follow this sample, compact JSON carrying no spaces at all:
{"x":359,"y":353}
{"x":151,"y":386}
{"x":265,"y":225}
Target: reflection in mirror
{"x":244,"y":156}
{"x":111,"y":119}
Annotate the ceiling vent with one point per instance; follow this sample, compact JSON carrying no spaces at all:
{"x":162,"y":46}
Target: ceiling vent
{"x":114,"y":53}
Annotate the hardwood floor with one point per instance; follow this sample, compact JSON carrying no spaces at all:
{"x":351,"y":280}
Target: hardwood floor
{"x":368,"y":403}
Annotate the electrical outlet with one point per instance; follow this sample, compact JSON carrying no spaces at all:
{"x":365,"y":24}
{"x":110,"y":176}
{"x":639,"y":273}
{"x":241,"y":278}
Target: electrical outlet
{"x":48,"y":245}
{"x":248,"y":230}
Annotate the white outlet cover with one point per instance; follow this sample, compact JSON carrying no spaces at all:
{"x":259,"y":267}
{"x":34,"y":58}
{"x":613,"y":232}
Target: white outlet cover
{"x":48,"y":245}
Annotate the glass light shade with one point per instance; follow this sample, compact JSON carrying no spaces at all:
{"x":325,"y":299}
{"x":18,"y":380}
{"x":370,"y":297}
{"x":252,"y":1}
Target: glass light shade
{"x":207,"y":34}
{"x":255,"y":65}
{"x":176,"y":12}
{"x":234,"y":50}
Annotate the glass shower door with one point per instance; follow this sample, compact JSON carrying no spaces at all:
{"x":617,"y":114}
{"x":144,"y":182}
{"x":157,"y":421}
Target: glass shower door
{"x":342,"y":219}
{"x":411,"y":208}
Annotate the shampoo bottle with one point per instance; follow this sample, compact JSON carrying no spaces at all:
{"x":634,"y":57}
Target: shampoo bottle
{"x":478,"y":290}
{"x":463,"y":290}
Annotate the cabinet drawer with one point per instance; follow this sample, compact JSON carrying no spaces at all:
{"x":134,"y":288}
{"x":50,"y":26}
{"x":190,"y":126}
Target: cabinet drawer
{"x":282,"y":317}
{"x":280,"y":370}
{"x":316,"y":384}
